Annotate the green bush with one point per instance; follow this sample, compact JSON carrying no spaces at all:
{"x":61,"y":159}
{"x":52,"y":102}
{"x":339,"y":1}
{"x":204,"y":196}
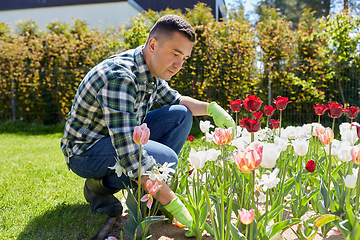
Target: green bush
{"x":315,"y":63}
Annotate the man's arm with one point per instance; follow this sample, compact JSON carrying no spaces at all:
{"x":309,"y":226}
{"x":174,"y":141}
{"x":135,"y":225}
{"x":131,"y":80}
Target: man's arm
{"x":197,"y":107}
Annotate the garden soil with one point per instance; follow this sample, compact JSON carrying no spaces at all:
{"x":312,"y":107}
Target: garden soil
{"x":166,"y":231}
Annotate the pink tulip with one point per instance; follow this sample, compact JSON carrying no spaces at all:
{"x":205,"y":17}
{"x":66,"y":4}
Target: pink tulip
{"x":222,"y":136}
{"x":148,"y":184}
{"x":250,"y":159}
{"x":325,"y":135}
{"x":155,"y":188}
{"x":150,"y":196}
{"x":141,"y":134}
{"x":246,"y":217}
{"x":355,"y":154}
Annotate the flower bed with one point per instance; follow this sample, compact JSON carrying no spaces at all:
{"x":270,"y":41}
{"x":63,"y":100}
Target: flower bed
{"x":299,"y":170}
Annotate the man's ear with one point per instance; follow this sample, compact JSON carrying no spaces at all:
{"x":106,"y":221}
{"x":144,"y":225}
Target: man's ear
{"x":152,"y":44}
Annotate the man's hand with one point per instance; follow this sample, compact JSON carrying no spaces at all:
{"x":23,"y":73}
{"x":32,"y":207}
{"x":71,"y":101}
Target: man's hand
{"x":221,"y":118}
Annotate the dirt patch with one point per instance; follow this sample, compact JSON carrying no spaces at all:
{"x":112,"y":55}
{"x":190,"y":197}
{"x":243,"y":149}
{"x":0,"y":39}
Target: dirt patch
{"x":166,"y":231}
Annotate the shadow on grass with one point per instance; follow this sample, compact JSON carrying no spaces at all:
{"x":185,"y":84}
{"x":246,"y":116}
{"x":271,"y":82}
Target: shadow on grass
{"x":21,"y":127}
{"x":65,"y":221}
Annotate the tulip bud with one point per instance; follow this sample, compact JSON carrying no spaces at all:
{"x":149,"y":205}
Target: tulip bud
{"x":141,"y":134}
{"x":350,"y":181}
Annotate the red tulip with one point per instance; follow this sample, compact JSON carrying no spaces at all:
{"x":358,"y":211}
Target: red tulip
{"x":357,"y":129}
{"x":281,"y":102}
{"x":269,"y":110}
{"x":141,"y":134}
{"x":310,"y":166}
{"x":235,"y":106}
{"x":252,"y":103}
{"x":335,"y":110}
{"x":320,"y":109}
{"x":274,"y":124}
{"x":258,"y":116}
{"x":191,"y":138}
{"x":352,"y":112}
{"x":250,"y":124}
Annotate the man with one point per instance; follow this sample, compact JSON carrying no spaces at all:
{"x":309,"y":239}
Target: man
{"x":114,"y":97}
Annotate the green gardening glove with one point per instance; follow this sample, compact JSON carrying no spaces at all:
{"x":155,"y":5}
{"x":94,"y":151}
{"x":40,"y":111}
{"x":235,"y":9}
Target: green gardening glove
{"x":221,"y":118}
{"x":181,"y":214}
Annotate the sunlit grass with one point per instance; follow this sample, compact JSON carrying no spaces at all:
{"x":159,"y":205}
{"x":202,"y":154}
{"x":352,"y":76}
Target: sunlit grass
{"x":40,"y":198}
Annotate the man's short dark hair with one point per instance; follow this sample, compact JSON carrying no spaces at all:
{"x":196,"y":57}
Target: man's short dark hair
{"x":169,"y":24}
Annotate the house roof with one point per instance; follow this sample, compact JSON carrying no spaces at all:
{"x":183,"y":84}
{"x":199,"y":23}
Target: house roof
{"x":21,"y":4}
{"x":156,"y":5}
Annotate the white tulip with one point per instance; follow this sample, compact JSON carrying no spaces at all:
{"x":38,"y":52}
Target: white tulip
{"x":289,"y":132}
{"x":212,"y":154}
{"x":261,"y":198}
{"x":344,"y":127}
{"x":355,"y":172}
{"x":205,"y":126}
{"x":350,"y":135}
{"x":312,"y":126}
{"x":334,"y":145}
{"x":241,"y":143}
{"x":270,"y":181}
{"x":301,"y":146}
{"x":343,"y":151}
{"x":197,"y":159}
{"x":350,"y":181}
{"x":271,"y":153}
{"x":282,"y":142}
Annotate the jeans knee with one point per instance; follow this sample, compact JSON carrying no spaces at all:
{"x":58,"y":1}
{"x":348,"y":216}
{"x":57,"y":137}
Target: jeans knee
{"x":187,"y":119}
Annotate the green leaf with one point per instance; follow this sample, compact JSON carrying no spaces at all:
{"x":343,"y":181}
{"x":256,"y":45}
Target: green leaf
{"x":131,"y":203}
{"x":307,"y":198}
{"x":143,"y":227}
{"x":235,"y":233}
{"x":321,"y":208}
{"x":345,"y":228}
{"x":279,"y":226}
{"x":324,"y":194}
{"x":349,"y":212}
{"x":324,"y":219}
{"x":355,"y":233}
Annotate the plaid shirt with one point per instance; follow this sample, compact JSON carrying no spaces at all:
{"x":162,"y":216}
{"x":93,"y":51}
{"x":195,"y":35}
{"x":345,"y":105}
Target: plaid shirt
{"x":113,"y":98}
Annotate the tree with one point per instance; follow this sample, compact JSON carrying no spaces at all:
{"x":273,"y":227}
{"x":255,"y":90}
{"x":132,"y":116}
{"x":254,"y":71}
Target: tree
{"x":293,"y":9}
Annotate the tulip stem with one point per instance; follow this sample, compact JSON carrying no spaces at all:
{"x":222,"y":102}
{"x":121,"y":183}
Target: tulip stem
{"x":329,"y":175}
{"x":253,"y":190}
{"x":280,"y":123}
{"x":223,"y":195}
{"x":357,"y":192}
{"x":300,"y":191}
{"x":139,"y":186}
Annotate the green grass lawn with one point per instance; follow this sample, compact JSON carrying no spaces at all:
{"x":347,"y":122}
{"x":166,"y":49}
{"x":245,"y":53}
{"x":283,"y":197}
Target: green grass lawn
{"x":39,"y":197}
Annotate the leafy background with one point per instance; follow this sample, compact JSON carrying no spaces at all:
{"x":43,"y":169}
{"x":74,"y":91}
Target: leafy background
{"x":313,"y":61}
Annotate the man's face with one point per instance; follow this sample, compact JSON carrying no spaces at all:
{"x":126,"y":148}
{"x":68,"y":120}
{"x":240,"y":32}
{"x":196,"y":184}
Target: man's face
{"x":168,"y":56}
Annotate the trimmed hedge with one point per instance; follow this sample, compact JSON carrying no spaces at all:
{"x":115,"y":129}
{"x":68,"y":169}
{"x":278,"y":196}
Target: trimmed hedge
{"x":315,"y":63}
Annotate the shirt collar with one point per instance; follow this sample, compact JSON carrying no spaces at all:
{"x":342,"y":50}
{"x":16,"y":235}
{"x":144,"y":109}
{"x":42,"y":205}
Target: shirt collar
{"x":144,"y":72}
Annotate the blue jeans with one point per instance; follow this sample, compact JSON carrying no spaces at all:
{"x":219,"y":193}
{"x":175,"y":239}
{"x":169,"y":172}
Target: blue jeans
{"x":169,"y":129}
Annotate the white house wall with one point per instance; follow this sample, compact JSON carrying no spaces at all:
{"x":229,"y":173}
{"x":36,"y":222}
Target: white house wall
{"x":97,"y":15}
